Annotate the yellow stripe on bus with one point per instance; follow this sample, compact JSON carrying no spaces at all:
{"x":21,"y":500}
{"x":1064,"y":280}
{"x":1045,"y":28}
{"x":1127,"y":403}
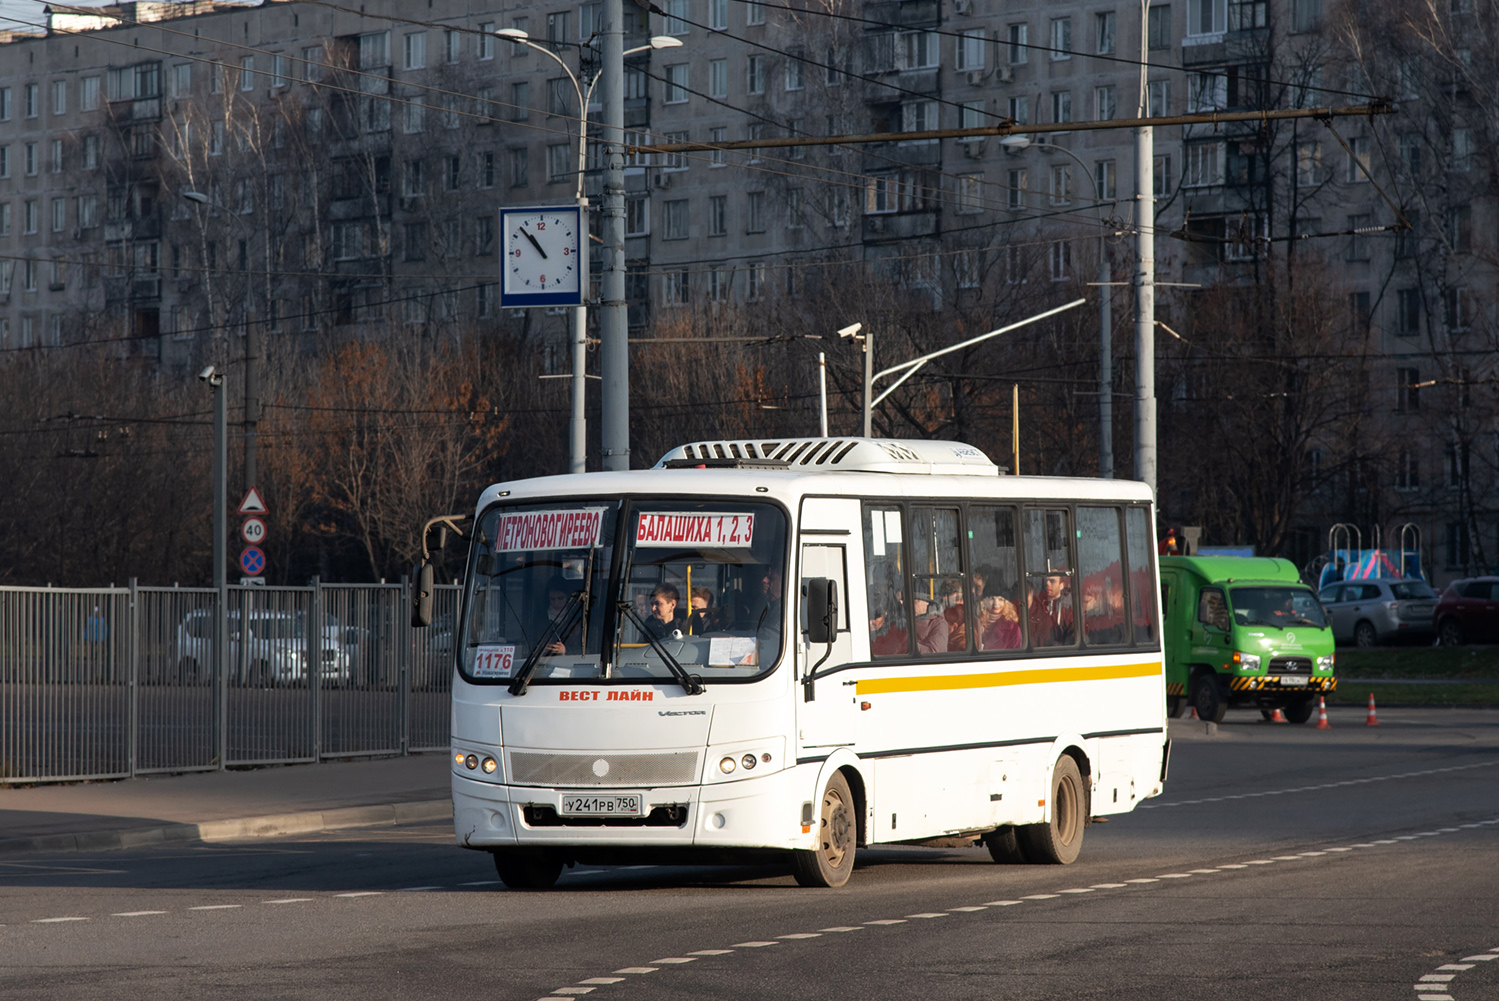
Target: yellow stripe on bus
{"x":1038,"y":676}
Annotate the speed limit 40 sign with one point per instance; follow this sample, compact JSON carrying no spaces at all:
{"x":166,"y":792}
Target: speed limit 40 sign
{"x":253,"y":531}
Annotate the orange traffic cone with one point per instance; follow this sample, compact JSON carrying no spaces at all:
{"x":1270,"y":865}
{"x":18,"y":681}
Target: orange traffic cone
{"x":1322,"y":723}
{"x":1372,"y":720}
{"x":1277,"y":717}
{"x":1194,"y":713}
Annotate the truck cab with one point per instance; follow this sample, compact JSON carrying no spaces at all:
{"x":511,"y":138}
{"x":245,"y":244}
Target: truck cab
{"x":1242,"y":632}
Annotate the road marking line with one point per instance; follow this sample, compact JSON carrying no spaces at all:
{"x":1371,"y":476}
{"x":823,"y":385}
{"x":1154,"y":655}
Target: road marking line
{"x":1260,"y":861}
{"x":802,"y":934}
{"x":1484,"y":958}
{"x":1310,"y":854}
{"x":1459,"y":967}
{"x":1366,"y":844}
{"x":1234,"y":865}
{"x":712,"y":952}
{"x":1080,"y":889}
{"x":1285,"y":858}
{"x":215,"y":907}
{"x":1176,"y":875}
{"x":1109,"y":886}
{"x":887,"y":921}
{"x":967,"y":909}
{"x":53,"y":921}
{"x":753,"y":945}
{"x":1002,"y":903}
{"x":1145,"y":880}
{"x":361,"y":893}
{"x":674,"y":959}
{"x":602,"y":980}
{"x":1202,"y":871}
{"x":1040,"y":896}
{"x":1438,"y":977}
{"x":288,"y":900}
{"x":637,"y":969}
{"x":1340,"y":849}
{"x":550,"y":998}
{"x":1386,"y":841}
{"x":574,"y":990}
{"x":1433,"y":997}
{"x":134,"y":914}
{"x":924,"y":914}
{"x":1406,"y":837}
{"x":842,"y":928}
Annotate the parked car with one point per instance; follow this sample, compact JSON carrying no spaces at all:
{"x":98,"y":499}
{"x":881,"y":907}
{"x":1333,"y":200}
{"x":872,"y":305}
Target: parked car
{"x":274,"y":654}
{"x":1381,"y":610}
{"x":1468,"y":612}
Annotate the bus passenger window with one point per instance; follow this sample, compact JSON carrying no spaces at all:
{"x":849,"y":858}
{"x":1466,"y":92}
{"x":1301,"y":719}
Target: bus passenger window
{"x":936,"y":576}
{"x":1100,"y":559}
{"x":1141,"y":578}
{"x":884,"y":569}
{"x":994,"y":581}
{"x":1049,"y":578}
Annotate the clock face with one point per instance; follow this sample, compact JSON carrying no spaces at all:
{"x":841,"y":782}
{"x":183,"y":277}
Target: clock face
{"x":544,"y":262}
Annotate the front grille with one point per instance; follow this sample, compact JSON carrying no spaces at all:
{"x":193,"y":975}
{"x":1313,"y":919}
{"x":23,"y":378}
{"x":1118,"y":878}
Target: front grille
{"x":1291,"y":665}
{"x":535,"y":768}
{"x":662,"y":816}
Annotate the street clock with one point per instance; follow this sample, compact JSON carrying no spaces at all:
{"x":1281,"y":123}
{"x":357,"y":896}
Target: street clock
{"x":545,"y":259}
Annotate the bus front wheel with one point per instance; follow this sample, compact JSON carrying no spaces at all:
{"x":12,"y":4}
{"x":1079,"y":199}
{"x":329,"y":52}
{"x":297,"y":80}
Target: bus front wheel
{"x":1059,"y":841}
{"x":832,"y":861}
{"x":527,"y":870}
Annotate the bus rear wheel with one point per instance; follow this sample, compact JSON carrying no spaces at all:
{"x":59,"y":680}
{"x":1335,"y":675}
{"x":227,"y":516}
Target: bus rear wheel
{"x":1004,"y":846}
{"x":527,"y":870}
{"x":1058,"y":841}
{"x":832,"y":861}
{"x":1207,"y":698}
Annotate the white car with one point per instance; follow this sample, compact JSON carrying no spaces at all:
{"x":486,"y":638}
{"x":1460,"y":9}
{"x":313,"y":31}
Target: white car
{"x":275,"y":653}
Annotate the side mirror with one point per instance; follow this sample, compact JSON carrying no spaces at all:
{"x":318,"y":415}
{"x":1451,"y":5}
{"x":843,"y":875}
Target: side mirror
{"x":822,"y":609}
{"x":421,"y":597}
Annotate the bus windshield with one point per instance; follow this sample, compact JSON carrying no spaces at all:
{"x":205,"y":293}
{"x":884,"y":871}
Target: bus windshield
{"x":621,"y":589}
{"x":1277,"y":607}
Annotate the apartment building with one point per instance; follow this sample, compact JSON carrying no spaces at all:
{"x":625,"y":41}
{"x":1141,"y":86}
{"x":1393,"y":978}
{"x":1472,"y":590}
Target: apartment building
{"x":172,"y":172}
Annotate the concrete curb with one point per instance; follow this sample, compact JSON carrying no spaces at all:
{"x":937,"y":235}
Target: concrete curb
{"x":233,"y":830}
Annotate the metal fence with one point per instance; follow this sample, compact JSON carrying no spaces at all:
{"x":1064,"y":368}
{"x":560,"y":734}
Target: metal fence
{"x":114,"y":682}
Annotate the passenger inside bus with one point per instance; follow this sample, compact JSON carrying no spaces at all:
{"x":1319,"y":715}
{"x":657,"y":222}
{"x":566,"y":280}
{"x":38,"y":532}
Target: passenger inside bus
{"x":931,"y":627}
{"x":663,"y":621}
{"x":1050,"y":613}
{"x":703,"y":617}
{"x":885,"y":637}
{"x":953,"y":610}
{"x":998,"y":624}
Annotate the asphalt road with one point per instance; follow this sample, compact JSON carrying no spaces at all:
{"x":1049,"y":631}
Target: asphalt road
{"x":1282,"y":863}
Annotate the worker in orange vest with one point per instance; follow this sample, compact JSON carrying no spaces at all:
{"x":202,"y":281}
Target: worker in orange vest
{"x":1169,"y":546}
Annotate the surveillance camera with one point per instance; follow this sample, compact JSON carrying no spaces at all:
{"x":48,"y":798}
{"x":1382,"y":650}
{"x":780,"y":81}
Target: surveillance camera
{"x":850,"y":330}
{"x":207,"y":374}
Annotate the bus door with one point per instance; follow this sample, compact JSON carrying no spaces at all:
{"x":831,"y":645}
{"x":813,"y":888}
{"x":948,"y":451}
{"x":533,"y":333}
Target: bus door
{"x":827,"y":709}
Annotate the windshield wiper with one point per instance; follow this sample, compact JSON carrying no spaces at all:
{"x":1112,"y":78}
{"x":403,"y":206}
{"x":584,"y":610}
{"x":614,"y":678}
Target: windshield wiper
{"x":690,"y":682}
{"x":560,"y":625}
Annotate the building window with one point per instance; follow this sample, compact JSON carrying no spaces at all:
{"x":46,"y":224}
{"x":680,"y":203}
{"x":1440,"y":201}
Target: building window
{"x":674,"y":219}
{"x":717,"y":134}
{"x":1306,"y":15}
{"x":59,"y":214}
{"x":30,"y":153}
{"x":754,"y":13}
{"x":1159,"y":99}
{"x":718,"y":209}
{"x":1359,"y":311}
{"x":972,"y":46}
{"x":754,"y":212}
{"x":918,"y":51}
{"x":1061,"y":184}
{"x":1309,"y":164}
{"x":1061,"y":38}
{"x":1460,"y":228}
{"x":182,"y":80}
{"x":1103,"y":27}
{"x":560,"y":96}
{"x":32,"y":94}
{"x":1408,"y":313}
{"x":31,"y":218}
{"x":55,"y":161}
{"x":1410,"y":153}
{"x":1104,"y":98}
{"x":918,"y":116}
{"x":676,"y":84}
{"x":718,"y":78}
{"x":1019,"y":44}
{"x":415,"y":115}
{"x":972,"y":114}
{"x":755,"y":73}
{"x":1456,"y":309}
{"x":483,"y":235}
{"x":1457,"y":531}
{"x":1104,"y":177}
{"x":794,"y":72}
{"x":718,"y":15}
{"x":88,"y":96}
{"x":1015,"y":194}
{"x":1061,"y":107}
{"x":1207,"y":17}
{"x":1462,"y":150}
{"x":1358,"y":238}
{"x":1204,"y":165}
{"x":520,"y":101}
{"x":1020,"y":110}
{"x":484,"y":42}
{"x":674,"y":161}
{"x":559,"y":162}
{"x":1061,"y":260}
{"x":312,"y":63}
{"x":1358,"y":160}
{"x":719,"y":283}
{"x":1161,"y":176}
{"x":1158,"y":27}
{"x":520,"y":167}
{"x":59,"y":97}
{"x":637,"y":215}
{"x":970,"y":193}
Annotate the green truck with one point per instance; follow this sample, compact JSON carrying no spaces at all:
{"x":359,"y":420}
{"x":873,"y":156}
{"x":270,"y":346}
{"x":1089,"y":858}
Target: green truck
{"x":1243,"y":631}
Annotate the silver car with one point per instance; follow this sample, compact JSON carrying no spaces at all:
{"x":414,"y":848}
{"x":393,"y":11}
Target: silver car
{"x":275,"y":654}
{"x":1383,"y":610}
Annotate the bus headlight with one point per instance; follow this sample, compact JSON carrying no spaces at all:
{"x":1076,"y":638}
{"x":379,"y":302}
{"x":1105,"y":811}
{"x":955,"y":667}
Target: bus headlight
{"x":727,"y":765}
{"x":748,"y":761}
{"x":1247,"y":661}
{"x":471,"y":762}
{"x":489,"y":765}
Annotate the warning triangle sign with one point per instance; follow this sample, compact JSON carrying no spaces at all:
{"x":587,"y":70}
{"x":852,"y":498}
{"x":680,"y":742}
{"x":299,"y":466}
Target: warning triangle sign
{"x":252,"y":504}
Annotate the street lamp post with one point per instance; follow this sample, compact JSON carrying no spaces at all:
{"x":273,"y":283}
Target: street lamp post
{"x":577,"y":426}
{"x":215,"y":381}
{"x":1105,"y":312}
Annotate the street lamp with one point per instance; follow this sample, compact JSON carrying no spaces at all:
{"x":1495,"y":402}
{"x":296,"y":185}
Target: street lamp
{"x":577,"y":426}
{"x":215,"y":381}
{"x":1016,"y":143}
{"x":252,"y":358}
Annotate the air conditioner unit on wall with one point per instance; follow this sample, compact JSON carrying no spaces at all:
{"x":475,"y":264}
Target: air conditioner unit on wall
{"x":962,"y":6}
{"x":1006,"y":74}
{"x":975,"y":77}
{"x":662,"y":180}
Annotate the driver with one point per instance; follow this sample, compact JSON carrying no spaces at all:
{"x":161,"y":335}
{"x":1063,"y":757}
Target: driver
{"x":663,"y":619}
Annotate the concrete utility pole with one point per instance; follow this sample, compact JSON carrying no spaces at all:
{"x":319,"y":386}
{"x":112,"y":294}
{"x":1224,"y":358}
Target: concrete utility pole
{"x":1145,"y":450}
{"x":614,"y":320}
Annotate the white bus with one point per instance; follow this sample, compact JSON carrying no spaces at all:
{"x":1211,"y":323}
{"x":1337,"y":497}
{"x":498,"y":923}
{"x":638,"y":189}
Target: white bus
{"x":793,"y":649}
